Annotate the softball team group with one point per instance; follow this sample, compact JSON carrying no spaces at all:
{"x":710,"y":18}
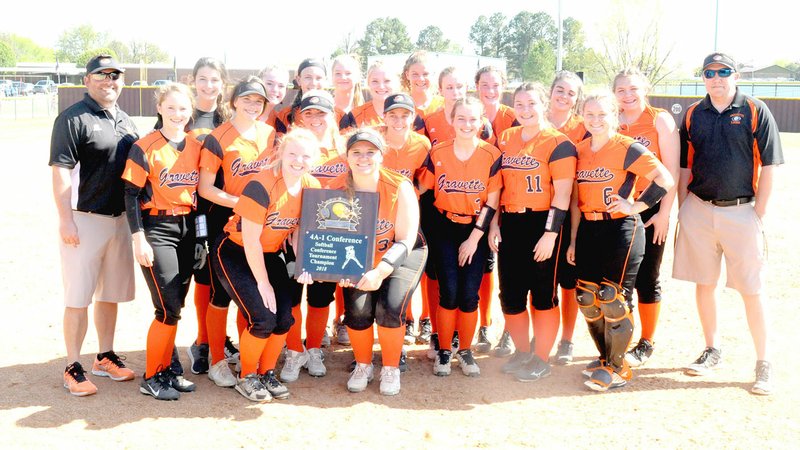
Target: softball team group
{"x":557,"y":190}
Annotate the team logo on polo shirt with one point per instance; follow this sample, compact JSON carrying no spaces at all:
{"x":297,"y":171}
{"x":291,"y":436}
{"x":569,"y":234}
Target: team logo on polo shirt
{"x":736,"y":118}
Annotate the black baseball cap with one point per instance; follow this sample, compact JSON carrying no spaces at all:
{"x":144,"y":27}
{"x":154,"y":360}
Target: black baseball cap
{"x":366,"y":135}
{"x":250,"y":87}
{"x":719,"y":58}
{"x":317,"y":100}
{"x":102,"y":62}
{"x":311,"y":62}
{"x":398,"y":101}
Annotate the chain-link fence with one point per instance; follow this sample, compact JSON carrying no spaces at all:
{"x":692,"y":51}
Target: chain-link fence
{"x":29,"y":107}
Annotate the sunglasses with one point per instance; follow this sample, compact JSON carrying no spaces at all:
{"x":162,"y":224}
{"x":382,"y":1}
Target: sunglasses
{"x":102,"y":76}
{"x":725,"y":72}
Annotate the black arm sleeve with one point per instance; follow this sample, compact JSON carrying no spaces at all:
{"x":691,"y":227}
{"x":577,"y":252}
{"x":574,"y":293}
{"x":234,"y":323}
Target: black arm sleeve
{"x":132,"y":210}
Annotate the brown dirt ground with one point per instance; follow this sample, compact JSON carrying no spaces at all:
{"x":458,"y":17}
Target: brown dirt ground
{"x":661,"y":407}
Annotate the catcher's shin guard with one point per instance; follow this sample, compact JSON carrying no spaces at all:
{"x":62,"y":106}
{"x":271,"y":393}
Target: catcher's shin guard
{"x":618,"y":326}
{"x":586,"y":294}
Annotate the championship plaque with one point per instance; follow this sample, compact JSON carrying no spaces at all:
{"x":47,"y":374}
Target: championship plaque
{"x":337,"y":235}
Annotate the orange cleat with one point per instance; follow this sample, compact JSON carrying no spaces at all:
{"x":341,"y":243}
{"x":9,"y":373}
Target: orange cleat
{"x":110,"y":365}
{"x":75,"y":381}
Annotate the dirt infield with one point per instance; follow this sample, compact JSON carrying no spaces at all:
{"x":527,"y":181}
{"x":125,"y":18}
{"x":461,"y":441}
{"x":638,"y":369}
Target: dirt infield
{"x":661,"y":407}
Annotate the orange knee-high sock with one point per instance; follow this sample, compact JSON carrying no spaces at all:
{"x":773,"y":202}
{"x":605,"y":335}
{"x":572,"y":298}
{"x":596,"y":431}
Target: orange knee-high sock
{"x":216,"y":323}
{"x":648,"y":314}
{"x":250,"y":350}
{"x":433,"y":304}
{"x":241,"y":323}
{"x":423,"y":285}
{"x":158,"y":343}
{"x":315,"y":325}
{"x":202,"y":295}
{"x":338,"y":298}
{"x":166,"y":359}
{"x":271,"y":352}
{"x":362,"y":341}
{"x":447,"y":325}
{"x":391,"y":340}
{"x":294,"y":338}
{"x":485,"y":300}
{"x":466,"y":328}
{"x":518,"y":326}
{"x":569,"y":312}
{"x":545,"y":328}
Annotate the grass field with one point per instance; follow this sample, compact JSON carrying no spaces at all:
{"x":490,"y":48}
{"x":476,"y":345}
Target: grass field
{"x":660,"y":408}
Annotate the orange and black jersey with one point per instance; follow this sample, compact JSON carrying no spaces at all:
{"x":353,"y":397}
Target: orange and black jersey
{"x":436,"y":103}
{"x":366,"y":116}
{"x":344,"y":120}
{"x":409,"y":160}
{"x":611,"y":170}
{"x":438,"y":129}
{"x":166,"y":171}
{"x":283,"y":120}
{"x":329,"y":166}
{"x":644,"y":131}
{"x":225,"y":151}
{"x":266,"y":200}
{"x":388,"y":185}
{"x":462,"y":187}
{"x":529,"y":168}
{"x":575,"y":129}
{"x":504,"y":119}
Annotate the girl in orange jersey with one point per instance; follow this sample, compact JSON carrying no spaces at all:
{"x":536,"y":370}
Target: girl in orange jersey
{"x":252,"y":266}
{"x":347,"y":95}
{"x":416,"y":80}
{"x":464,"y":176}
{"x":566,"y":94}
{"x":380,"y":84}
{"x":609,"y":238}
{"x":382,"y":294}
{"x":538,"y":171}
{"x":275,"y":81}
{"x":232,"y":154}
{"x":311,"y":74}
{"x":655,"y":129}
{"x":317,"y":116}
{"x":161,"y":176}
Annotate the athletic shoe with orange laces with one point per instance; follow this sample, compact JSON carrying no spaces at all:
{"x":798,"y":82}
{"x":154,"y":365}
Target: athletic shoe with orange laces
{"x":109,"y":364}
{"x":75,"y":380}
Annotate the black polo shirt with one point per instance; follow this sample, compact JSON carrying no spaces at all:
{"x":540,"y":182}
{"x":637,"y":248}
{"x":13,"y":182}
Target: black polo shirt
{"x":94,"y":144}
{"x":726,"y":150}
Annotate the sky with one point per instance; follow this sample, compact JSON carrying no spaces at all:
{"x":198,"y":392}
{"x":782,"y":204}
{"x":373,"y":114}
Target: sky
{"x":252,"y":34}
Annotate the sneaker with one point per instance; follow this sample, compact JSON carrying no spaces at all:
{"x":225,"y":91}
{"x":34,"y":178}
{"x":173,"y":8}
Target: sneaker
{"x":390,"y":380}
{"x":198,"y":357}
{"x":221,"y":374}
{"x":441,"y":366}
{"x":403,"y":366}
{"x":591,"y":367}
{"x":604,"y":379}
{"x":292,"y":365}
{"x":467,"y":362}
{"x":564,"y":353}
{"x":504,"y":346}
{"x":175,"y":362}
{"x":454,"y":343}
{"x":274,"y":386}
{"x":158,"y":387}
{"x":483,"y":345}
{"x":360,"y":377}
{"x":433,"y":346}
{"x":516,"y":362}
{"x":326,"y":339}
{"x":762,"y":386}
{"x":639,"y":354}
{"x":178,"y":382}
{"x":252,"y":389}
{"x":342,"y":337}
{"x":231,"y":352}
{"x":110,"y":365}
{"x":425,"y":329}
{"x":708,"y":361}
{"x":75,"y":381}
{"x":409,"y":337}
{"x":316,"y":362}
{"x":535,"y":369}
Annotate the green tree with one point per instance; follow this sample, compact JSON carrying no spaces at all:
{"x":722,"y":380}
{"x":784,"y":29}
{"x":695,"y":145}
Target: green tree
{"x":121,"y":50}
{"x":432,"y":39}
{"x":488,"y":34}
{"x":7,"y":57}
{"x":84,"y":57}
{"x":347,"y":46}
{"x":148,"y":53}
{"x":577,"y":57}
{"x":75,"y":41}
{"x":384,"y":36}
{"x":26,"y":50}
{"x":524,"y":31}
{"x":540,"y":63}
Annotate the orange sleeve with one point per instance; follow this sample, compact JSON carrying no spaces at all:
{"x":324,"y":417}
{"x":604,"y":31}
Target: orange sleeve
{"x":136,"y":167}
{"x":563,"y":161}
{"x":253,"y":203}
{"x":211,"y":154}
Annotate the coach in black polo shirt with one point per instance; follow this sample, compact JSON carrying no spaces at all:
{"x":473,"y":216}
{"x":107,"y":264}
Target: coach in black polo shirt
{"x":730,"y":148}
{"x":89,"y":146}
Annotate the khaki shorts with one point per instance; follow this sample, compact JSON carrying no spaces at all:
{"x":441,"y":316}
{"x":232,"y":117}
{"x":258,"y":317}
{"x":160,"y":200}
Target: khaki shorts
{"x":101,"y":266}
{"x":707,"y":232}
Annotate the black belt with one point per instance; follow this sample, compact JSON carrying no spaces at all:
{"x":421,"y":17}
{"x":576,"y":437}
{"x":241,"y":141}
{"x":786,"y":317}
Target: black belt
{"x":734,"y":202}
